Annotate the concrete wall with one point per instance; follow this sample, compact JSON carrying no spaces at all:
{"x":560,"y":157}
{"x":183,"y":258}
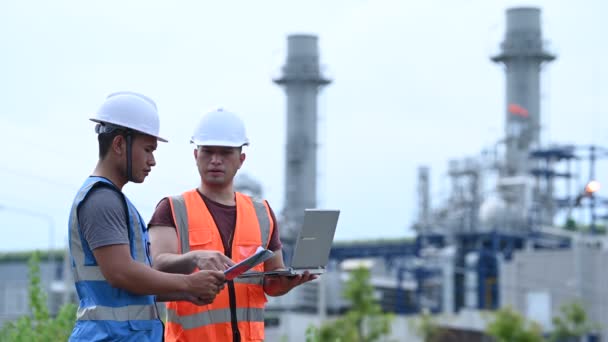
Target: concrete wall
{"x":538,"y":283}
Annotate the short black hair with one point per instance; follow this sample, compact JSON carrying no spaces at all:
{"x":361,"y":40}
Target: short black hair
{"x":240,"y":148}
{"x":107,"y":134}
{"x":105,"y":142}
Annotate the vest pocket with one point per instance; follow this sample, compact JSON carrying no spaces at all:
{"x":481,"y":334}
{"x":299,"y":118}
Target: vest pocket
{"x":199,"y":238}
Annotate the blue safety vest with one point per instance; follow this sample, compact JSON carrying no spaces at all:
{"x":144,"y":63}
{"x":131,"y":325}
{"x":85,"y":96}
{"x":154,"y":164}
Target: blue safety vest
{"x":106,"y":313}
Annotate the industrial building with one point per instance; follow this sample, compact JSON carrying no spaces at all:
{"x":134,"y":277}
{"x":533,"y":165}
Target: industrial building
{"x":14,"y":284}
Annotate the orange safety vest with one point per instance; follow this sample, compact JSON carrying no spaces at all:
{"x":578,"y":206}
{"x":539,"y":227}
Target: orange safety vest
{"x":239,"y":307}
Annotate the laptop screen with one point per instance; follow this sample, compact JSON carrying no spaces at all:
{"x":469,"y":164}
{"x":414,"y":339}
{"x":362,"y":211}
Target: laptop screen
{"x":315,"y":239}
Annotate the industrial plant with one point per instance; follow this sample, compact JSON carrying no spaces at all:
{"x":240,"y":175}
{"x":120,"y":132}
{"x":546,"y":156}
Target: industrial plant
{"x":507,"y":234}
{"x":505,"y":237}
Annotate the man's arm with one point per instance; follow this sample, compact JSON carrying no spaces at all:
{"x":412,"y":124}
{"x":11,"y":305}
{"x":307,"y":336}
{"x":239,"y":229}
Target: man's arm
{"x":121,"y":271}
{"x":280,"y":285}
{"x":275,"y":262}
{"x":164,"y":249}
{"x":164,"y":252}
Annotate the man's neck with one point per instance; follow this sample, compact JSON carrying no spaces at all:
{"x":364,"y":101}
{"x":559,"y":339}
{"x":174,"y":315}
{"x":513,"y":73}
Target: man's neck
{"x":112,"y":174}
{"x":222,"y":195}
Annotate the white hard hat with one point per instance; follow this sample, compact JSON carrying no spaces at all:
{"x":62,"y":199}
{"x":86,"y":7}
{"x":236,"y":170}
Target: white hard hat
{"x":130,"y":110}
{"x":220,"y":128}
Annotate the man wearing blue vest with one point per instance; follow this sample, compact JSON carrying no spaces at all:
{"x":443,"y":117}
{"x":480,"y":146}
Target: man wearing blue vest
{"x":109,"y":244}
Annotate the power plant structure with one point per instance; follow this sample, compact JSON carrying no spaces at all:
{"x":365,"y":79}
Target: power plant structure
{"x":500,"y":211}
{"x":302,"y":81}
{"x":523,"y":55}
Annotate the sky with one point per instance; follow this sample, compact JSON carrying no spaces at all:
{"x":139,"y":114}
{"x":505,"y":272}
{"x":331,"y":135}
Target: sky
{"x":413,"y":85}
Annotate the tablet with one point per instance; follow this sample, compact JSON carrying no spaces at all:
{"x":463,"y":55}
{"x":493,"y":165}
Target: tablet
{"x":260,"y":255}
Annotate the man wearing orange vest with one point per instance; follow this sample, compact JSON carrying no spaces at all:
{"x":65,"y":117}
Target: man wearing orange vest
{"x":213,"y":218}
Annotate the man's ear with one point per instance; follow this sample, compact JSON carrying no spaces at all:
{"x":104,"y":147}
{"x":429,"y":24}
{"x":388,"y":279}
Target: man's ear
{"x":119,"y":144}
{"x":242,"y":157}
{"x":195,"y":153}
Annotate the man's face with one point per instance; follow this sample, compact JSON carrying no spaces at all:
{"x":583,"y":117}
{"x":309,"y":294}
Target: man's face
{"x":142,"y":158}
{"x":218,"y":165}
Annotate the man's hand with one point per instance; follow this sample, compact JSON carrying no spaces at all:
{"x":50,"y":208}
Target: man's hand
{"x":164,"y":249}
{"x":205,"y":285}
{"x":280,"y":285}
{"x":194,"y":300}
{"x":209,"y":260}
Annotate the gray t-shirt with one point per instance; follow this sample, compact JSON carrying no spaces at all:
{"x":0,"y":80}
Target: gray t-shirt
{"x":102,"y":218}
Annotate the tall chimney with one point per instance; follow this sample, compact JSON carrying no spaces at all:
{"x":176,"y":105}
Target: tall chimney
{"x":302,"y":81}
{"x":424,"y":200}
{"x":522,"y":54}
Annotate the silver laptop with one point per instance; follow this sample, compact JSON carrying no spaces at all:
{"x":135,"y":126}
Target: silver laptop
{"x":311,"y":252}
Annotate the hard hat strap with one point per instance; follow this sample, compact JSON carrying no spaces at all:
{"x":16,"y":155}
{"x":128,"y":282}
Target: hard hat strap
{"x":129,"y":137}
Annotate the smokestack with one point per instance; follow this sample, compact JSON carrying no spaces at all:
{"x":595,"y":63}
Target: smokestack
{"x":302,"y":81}
{"x":424,"y":206}
{"x":522,"y":54}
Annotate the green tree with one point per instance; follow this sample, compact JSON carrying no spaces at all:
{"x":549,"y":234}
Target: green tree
{"x":364,"y":322}
{"x":572,"y":325}
{"x":426,"y":327}
{"x":570,"y":225}
{"x":39,"y":326}
{"x":509,"y":326}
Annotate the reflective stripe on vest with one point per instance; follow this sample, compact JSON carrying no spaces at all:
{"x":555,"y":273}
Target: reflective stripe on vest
{"x":181,"y":221}
{"x":125,"y":313}
{"x":205,"y":318}
{"x":84,"y":274}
